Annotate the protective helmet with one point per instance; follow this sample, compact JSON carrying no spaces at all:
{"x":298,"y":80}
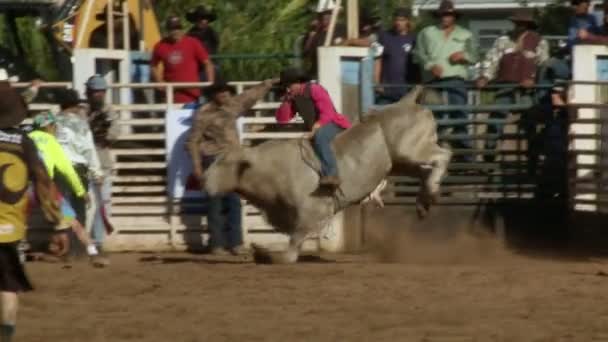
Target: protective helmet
{"x":96,"y":82}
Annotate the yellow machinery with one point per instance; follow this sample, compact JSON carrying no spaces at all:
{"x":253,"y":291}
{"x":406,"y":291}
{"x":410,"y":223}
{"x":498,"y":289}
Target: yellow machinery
{"x":87,"y":26}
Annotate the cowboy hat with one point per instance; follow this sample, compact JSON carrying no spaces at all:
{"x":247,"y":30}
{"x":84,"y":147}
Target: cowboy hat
{"x":200,"y":13}
{"x":293,"y":75}
{"x":526,"y":18}
{"x":13,"y":109}
{"x":218,"y":86}
{"x":446,"y":7}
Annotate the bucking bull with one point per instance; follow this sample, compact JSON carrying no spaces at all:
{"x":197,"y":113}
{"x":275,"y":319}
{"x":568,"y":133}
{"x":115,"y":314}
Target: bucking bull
{"x":281,"y":177}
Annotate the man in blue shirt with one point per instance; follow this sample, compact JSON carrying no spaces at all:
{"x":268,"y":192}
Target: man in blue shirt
{"x":395,"y":63}
{"x":581,"y":22}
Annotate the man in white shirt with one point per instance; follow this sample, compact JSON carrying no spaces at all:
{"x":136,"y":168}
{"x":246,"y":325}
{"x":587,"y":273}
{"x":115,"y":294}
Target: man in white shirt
{"x":76,"y":138}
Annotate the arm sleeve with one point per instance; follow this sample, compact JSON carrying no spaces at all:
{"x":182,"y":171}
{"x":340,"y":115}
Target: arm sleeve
{"x":323,"y":103}
{"x":194,"y":138}
{"x":285,"y":112}
{"x":29,"y":94}
{"x":201,"y":54}
{"x":471,"y":53}
{"x":114,"y":129}
{"x":572,"y":34}
{"x":46,"y":192}
{"x":247,"y":99}
{"x":64,"y":166}
{"x":90,"y":153}
{"x":155,"y":56}
{"x":421,"y":53}
{"x":491,"y":60}
{"x":542,"y":52}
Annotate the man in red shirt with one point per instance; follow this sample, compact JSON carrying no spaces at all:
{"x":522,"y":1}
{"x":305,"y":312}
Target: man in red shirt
{"x":182,"y":57}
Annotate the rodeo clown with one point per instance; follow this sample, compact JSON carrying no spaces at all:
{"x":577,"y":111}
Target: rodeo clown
{"x":314,"y":105}
{"x":19,"y":165}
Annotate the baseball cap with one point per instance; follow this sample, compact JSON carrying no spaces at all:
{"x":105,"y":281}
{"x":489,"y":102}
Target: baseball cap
{"x":96,"y":82}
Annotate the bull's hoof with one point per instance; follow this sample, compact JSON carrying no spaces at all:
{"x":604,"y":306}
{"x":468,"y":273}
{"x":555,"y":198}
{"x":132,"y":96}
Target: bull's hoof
{"x":422,"y":210}
{"x":263,"y":255}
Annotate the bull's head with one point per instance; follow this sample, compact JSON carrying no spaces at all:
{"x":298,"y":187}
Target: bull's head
{"x":224,"y":175}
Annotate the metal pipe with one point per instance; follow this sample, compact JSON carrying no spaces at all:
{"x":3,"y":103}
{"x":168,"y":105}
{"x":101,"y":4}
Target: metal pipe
{"x":332,"y":23}
{"x":110,"y":24}
{"x":126,"y":29}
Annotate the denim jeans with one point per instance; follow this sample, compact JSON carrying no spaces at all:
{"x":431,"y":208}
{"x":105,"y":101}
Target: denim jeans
{"x":456,"y":95}
{"x":322,"y":146}
{"x":103,"y":199}
{"x":223,"y":217}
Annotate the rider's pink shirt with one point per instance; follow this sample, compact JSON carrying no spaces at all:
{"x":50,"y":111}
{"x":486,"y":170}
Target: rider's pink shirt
{"x":323,"y":104}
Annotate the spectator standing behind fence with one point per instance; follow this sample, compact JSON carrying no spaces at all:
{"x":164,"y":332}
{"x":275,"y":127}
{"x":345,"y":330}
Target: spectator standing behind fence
{"x":201,"y":18}
{"x":581,"y":23}
{"x":589,"y":37}
{"x":19,"y":166}
{"x":213,"y":132}
{"x":181,"y":57}
{"x":394,"y":66}
{"x":445,"y":51}
{"x":76,"y":138}
{"x":315,"y":38}
{"x":513,"y":59}
{"x":105,"y":132}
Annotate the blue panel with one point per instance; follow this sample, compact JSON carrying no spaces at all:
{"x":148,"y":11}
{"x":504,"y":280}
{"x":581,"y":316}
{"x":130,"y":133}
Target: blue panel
{"x":350,"y":71}
{"x":367,"y":83}
{"x":602,"y":68}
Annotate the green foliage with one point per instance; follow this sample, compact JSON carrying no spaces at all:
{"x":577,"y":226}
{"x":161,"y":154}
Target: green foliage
{"x":261,"y":27}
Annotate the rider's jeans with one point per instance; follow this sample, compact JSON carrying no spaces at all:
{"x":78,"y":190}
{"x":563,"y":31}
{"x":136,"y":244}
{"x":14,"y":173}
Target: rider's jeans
{"x":322,"y":146}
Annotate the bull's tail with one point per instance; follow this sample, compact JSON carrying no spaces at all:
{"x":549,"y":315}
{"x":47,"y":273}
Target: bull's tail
{"x":421,"y":95}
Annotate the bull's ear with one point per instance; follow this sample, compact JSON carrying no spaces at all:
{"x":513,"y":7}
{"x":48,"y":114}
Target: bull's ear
{"x":242,"y":167}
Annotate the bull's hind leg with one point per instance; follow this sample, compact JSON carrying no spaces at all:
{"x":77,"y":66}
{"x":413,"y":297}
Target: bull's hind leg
{"x":431,"y":176}
{"x":439,"y":161}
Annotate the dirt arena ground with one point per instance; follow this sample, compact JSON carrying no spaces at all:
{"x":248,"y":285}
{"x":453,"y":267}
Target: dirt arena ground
{"x":404,"y":289}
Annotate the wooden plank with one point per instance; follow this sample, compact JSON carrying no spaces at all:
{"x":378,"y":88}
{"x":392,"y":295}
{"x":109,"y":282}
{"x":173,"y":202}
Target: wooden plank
{"x":138,"y":188}
{"x":138,"y":179}
{"x":138,"y":199}
{"x":139,"y":221}
{"x":140,"y":165}
{"x":139,"y":210}
{"x":139,"y":152}
{"x":141,"y":122}
{"x":141,"y":136}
